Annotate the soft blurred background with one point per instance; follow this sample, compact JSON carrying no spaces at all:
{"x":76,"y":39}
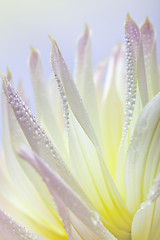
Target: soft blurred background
{"x":28,"y":22}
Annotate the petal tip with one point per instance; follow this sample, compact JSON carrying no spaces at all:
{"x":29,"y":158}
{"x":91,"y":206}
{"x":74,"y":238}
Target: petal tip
{"x":128,"y":20}
{"x":128,"y":17}
{"x":129,"y":23}
{"x":146,"y":20}
{"x":54,"y":43}
{"x":4,"y":80}
{"x":9,"y":74}
{"x":52,"y":39}
{"x":87,"y":29}
{"x":32,"y":49}
{"x":2,"y":76}
{"x":147,"y":24}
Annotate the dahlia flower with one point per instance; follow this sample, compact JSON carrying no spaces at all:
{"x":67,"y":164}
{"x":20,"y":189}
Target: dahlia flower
{"x":87,"y":167}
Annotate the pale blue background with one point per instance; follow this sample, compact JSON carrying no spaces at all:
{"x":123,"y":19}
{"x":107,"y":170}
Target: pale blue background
{"x":25,"y":23}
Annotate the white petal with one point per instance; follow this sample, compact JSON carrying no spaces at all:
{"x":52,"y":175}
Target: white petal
{"x":147,"y":219}
{"x":92,"y":175}
{"x":149,"y":49}
{"x":112,"y":108}
{"x":143,"y":153}
{"x":62,"y":74}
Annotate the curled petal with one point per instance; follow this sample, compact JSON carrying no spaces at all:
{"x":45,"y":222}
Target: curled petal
{"x":146,"y":221}
{"x":143,"y":153}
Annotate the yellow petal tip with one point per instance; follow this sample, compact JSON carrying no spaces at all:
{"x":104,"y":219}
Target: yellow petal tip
{"x":52,"y":39}
{"x":32,"y":49}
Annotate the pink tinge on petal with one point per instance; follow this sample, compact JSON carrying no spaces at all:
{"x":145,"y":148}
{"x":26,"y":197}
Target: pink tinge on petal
{"x":36,"y":69}
{"x":150,"y":57}
{"x":68,"y":197}
{"x":63,"y":213}
{"x":10,"y":230}
{"x":132,"y":32}
{"x":82,"y":44}
{"x":148,"y":37}
{"x":33,"y":60}
{"x":34,"y":133}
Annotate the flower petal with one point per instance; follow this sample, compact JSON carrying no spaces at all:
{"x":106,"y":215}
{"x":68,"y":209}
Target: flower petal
{"x":9,"y":229}
{"x":112,"y":108}
{"x":84,"y":77}
{"x":135,"y":48}
{"x":70,"y":199}
{"x":143,"y":153}
{"x":149,"y":49}
{"x":30,"y":197}
{"x":147,"y":219}
{"x":136,"y":96}
{"x":44,"y":107}
{"x":63,"y":75}
{"x":99,"y":74}
{"x":93,"y":177}
{"x":37,"y":137}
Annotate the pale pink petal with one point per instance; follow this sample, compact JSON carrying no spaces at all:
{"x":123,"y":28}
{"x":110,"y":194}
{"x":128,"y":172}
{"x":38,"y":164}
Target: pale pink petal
{"x":9,"y":229}
{"x":132,"y":31}
{"x":131,"y":75}
{"x":70,"y":199}
{"x":135,"y":57}
{"x":37,"y":137}
{"x":148,"y":38}
{"x":149,"y":49}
